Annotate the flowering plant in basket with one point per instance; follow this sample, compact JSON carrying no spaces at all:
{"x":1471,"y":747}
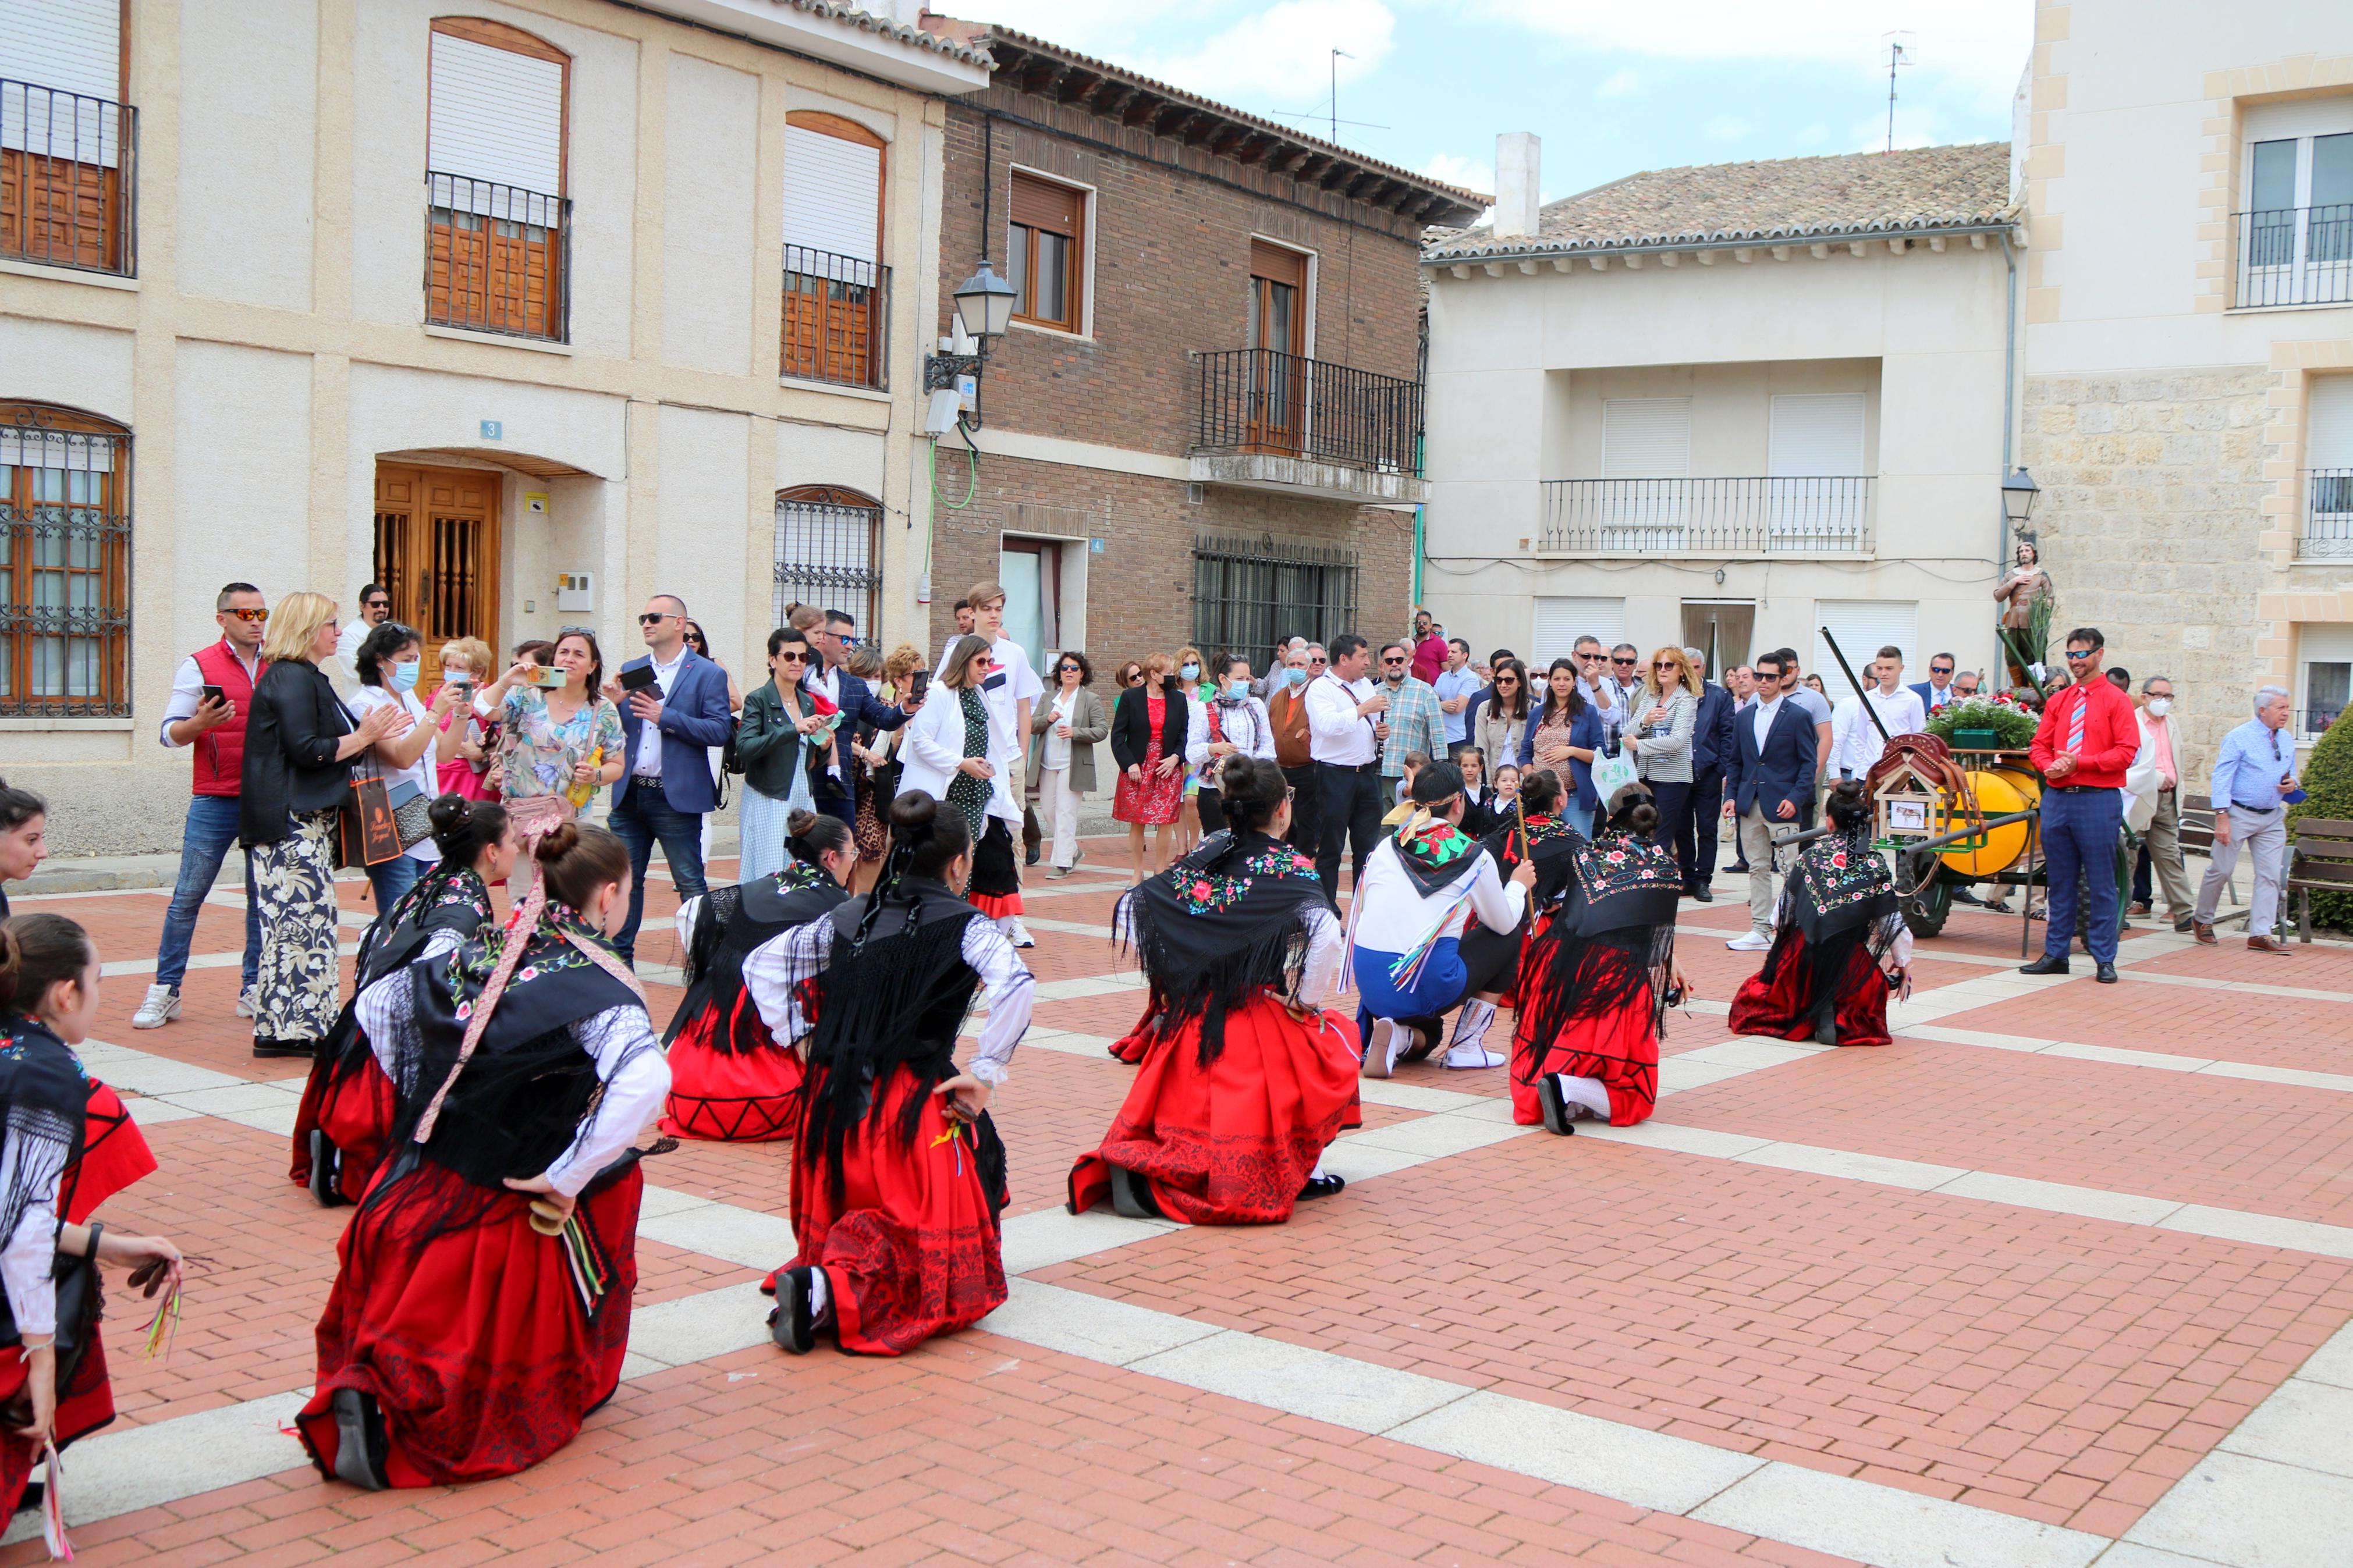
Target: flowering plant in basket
{"x":2011,"y":726}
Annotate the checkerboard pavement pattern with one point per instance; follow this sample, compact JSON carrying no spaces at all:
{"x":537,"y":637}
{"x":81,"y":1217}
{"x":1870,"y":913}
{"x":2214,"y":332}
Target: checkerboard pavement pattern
{"x":2063,"y":1276}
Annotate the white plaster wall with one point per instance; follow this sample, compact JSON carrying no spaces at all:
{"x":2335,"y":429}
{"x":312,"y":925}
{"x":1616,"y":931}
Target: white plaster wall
{"x":571,"y":538}
{"x":826,"y":455}
{"x":241,"y":475}
{"x":81,"y":367}
{"x":247,"y":127}
{"x":712,"y":143}
{"x":391,"y":47}
{"x":399,"y":410}
{"x":700,"y":544}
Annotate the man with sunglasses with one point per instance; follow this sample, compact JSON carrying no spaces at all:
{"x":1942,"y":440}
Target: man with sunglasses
{"x":213,"y":729}
{"x":861,"y":712}
{"x":1413,"y":722}
{"x":375,"y":608}
{"x":1938,"y":690}
{"x":2087,"y":739}
{"x":666,"y":790}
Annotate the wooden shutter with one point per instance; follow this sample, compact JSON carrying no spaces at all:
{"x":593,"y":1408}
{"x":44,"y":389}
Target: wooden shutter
{"x":1040,"y":203}
{"x":496,"y":116}
{"x":833,"y":187}
{"x":1862,"y":628}
{"x":1277,"y":265}
{"x":1646,"y":438}
{"x":1561,"y":621}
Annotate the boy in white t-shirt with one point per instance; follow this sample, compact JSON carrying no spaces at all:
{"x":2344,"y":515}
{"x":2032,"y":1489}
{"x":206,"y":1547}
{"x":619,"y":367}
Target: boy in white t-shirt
{"x":1011,"y":688}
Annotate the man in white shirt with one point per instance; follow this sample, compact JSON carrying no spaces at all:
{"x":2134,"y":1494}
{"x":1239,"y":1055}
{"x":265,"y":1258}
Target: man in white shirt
{"x":1009,"y":691}
{"x":1345,"y":730}
{"x":1855,"y":743}
{"x":1593,"y":683}
{"x":375,"y":608}
{"x":1456,"y":685}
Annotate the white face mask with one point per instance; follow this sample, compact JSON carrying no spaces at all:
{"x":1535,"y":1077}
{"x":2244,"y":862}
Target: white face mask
{"x":2158,"y":707}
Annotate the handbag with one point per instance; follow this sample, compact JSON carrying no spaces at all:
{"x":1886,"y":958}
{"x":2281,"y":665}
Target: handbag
{"x":368,"y":835}
{"x":412,"y":813}
{"x":78,"y":1314}
{"x":1612,"y":774}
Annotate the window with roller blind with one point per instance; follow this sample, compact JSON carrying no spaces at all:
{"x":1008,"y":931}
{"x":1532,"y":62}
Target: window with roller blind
{"x":1814,"y":497}
{"x":1862,"y":627}
{"x":1561,"y":621}
{"x":2328,"y":530}
{"x":65,"y":563}
{"x":66,"y":145}
{"x":1645,"y":501}
{"x":1045,"y":253}
{"x":836,"y":291}
{"x":2324,"y":676}
{"x":498,"y":224}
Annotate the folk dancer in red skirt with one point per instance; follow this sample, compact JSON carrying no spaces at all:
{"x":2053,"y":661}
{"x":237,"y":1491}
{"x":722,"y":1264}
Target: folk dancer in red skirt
{"x":481,"y":1309}
{"x":898,"y":1172}
{"x":65,"y":1146}
{"x":1837,"y":923}
{"x":730,"y":1079}
{"x":346,"y":1110}
{"x":1246,"y":1079}
{"x":963,"y":750}
{"x":1535,"y":832}
{"x":1594,"y":987}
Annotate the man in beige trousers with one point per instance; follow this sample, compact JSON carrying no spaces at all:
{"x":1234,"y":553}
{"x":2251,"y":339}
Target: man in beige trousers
{"x":2160,"y":748}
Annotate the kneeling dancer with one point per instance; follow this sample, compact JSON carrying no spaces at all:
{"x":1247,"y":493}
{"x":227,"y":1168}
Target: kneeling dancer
{"x":1594,"y":987}
{"x":346,"y":1111}
{"x":1245,"y":1080}
{"x":1420,"y":887}
{"x":897,"y":1174}
{"x":730,"y":1079}
{"x":481,"y":1309}
{"x":1838,"y":920}
{"x":1531,"y":831}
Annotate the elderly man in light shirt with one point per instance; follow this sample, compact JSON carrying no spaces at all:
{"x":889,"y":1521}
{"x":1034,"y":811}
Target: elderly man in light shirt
{"x":2254,"y":778}
{"x":2160,"y":751}
{"x":1856,"y":743}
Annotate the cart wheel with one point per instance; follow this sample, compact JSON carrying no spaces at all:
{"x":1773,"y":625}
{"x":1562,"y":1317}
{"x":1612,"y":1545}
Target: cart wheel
{"x":1925,"y":910}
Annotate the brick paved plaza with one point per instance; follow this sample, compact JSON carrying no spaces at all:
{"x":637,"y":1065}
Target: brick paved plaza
{"x":2062,"y":1277}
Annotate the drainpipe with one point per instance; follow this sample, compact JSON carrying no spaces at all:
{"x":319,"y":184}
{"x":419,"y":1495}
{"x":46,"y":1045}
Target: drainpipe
{"x":1420,"y":539}
{"x":2008,"y":397}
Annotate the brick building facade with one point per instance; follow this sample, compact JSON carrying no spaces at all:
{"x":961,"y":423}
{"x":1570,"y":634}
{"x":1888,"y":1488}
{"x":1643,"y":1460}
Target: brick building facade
{"x":1159,"y":475}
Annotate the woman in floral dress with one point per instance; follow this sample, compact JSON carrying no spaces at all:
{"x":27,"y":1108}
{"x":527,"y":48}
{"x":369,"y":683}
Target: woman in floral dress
{"x":556,"y":745}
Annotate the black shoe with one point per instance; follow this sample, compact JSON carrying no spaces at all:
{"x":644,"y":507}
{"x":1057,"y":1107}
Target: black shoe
{"x":360,"y":1443}
{"x":324,"y":1169}
{"x":791,"y":1323}
{"x":1963,"y":896}
{"x":1826,"y":1032}
{"x":2185,"y":921}
{"x":1555,"y":1105}
{"x":1738,"y":869}
{"x":1031,"y":858}
{"x":2107,"y":975}
{"x":1131,"y":1195}
{"x":1703,"y":895}
{"x":265,"y":1046}
{"x":2049,"y":964}
{"x":1321,"y":1187}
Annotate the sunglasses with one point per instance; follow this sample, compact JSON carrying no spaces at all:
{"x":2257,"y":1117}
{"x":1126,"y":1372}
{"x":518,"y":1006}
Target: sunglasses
{"x":2076,"y":653}
{"x":793,"y":658}
{"x":248,"y":615}
{"x":1318,"y":659}
{"x":1136,"y":678}
{"x":651,"y":619}
{"x":377,"y":605}
{"x":576,"y":631}
{"x":1392,"y":662}
{"x":1666,"y":664}
{"x":1507,"y":680}
{"x":1629,"y":663}
{"x":1069,"y":670}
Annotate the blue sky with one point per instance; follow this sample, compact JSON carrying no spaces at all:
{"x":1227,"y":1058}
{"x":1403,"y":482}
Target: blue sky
{"x":1612,"y":88}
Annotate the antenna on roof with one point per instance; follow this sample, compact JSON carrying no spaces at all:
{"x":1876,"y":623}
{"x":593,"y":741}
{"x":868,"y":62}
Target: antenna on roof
{"x":1338,"y":56}
{"x":1898,"y":54}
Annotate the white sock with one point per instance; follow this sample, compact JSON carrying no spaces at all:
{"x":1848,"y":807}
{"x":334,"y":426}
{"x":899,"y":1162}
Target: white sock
{"x":1470,"y":1025}
{"x":820,"y":1295}
{"x":1318,"y":1173}
{"x":1587,"y":1092}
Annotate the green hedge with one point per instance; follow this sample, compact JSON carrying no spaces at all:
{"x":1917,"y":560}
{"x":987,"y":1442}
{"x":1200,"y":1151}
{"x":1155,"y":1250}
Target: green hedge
{"x":2328,"y":777}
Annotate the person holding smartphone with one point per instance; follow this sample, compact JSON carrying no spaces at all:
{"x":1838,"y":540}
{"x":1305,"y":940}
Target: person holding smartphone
{"x":559,"y":739}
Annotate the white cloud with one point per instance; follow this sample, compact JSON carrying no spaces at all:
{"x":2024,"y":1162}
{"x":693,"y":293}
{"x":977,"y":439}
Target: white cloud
{"x":1622,"y":84}
{"x":1982,"y":44}
{"x":1468,"y":173}
{"x":1914,"y":127}
{"x":1724,"y":128}
{"x":1282,"y":57}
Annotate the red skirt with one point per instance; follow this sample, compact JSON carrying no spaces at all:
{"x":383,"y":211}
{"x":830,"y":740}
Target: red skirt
{"x":730,"y":1097}
{"x":1232,"y":1143}
{"x":1131,"y":1046}
{"x":1784,"y":1010}
{"x":355,"y":1113}
{"x":114,"y":1154}
{"x":912,"y":1248}
{"x":476,"y":1342}
{"x":1157,"y":800}
{"x":1620,"y":1047}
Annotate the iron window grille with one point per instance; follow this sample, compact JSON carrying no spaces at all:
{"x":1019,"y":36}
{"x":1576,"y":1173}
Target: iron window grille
{"x":68,"y":179}
{"x":2328,"y":531}
{"x":1261,"y":400}
{"x":1827,"y":514}
{"x":1247,"y":594}
{"x":828,"y":553}
{"x":2295,"y":256}
{"x":65,"y":569}
{"x":498,"y":259}
{"x":837,"y":318}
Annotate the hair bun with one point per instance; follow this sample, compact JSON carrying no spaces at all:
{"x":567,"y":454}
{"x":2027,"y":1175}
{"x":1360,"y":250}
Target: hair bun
{"x":556,"y":843}
{"x":449,"y":814}
{"x":912,"y":814}
{"x":798,"y":822}
{"x":1644,"y":817}
{"x":1235,"y":774}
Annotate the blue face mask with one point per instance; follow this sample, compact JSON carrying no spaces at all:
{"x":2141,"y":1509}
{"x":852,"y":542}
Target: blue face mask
{"x":403,"y":676}
{"x":1294,"y":677}
{"x":1238,"y":690}
{"x":1190,"y":672}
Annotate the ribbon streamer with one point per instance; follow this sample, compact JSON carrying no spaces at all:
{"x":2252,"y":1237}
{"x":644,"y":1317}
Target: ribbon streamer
{"x":53,"y":1508}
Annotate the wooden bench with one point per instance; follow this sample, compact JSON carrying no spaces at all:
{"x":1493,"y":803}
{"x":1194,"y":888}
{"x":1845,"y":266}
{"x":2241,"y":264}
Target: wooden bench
{"x":2322,"y":859}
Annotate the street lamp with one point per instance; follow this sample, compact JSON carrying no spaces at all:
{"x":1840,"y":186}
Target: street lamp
{"x":984,"y":309}
{"x":2018,"y":493}
{"x":985,"y":304}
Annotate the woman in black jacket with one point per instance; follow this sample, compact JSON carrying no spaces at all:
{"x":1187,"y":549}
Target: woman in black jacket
{"x":1147,"y":740}
{"x":299,"y":742}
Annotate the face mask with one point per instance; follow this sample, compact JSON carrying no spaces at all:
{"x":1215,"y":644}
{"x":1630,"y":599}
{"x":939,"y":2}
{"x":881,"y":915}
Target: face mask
{"x":1190,"y":672}
{"x":2158,"y":707}
{"x":1238,"y":690}
{"x":403,"y":676}
{"x":1294,"y":677}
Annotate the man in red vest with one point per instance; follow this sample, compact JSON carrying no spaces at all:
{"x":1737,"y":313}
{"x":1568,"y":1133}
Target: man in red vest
{"x":210,"y":698}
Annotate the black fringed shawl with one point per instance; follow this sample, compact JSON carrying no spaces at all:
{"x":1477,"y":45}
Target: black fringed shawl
{"x":1837,"y":897}
{"x":44,"y":1098}
{"x":1224,"y":922}
{"x":1552,"y":843}
{"x":893,"y":994}
{"x":446,"y":897}
{"x":1623,"y":900}
{"x":731,"y":922}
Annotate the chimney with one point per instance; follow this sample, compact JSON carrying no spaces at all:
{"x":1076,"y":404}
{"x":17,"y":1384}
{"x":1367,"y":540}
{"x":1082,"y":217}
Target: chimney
{"x":1516,"y":197}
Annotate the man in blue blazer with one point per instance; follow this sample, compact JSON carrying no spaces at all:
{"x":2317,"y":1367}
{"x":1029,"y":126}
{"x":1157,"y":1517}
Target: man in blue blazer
{"x":1711,"y":757}
{"x":667,"y":789}
{"x":1937,"y":689}
{"x":1771,"y":781}
{"x":857,"y":704}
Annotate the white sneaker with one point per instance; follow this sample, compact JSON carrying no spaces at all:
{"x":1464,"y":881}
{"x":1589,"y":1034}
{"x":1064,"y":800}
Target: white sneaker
{"x":1017,"y":933}
{"x":1381,"y":1051}
{"x":245,"y":1001}
{"x":1750,"y":942}
{"x":161,"y":1005}
{"x":1474,"y":1057}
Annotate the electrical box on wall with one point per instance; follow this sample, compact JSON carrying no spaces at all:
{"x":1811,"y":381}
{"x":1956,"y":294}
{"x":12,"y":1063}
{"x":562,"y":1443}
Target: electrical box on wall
{"x":576,"y":591}
{"x":534,"y":503}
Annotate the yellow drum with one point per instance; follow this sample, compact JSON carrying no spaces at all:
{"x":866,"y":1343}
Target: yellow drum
{"x":2000,"y":791}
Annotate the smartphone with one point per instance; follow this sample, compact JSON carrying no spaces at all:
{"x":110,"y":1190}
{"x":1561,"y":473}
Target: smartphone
{"x":214,"y":694}
{"x":638,"y":680}
{"x":548,"y":676}
{"x":918,"y":684}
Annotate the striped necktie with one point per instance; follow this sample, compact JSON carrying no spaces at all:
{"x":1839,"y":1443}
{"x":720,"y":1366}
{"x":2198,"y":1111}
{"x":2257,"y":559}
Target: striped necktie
{"x":2075,"y":724}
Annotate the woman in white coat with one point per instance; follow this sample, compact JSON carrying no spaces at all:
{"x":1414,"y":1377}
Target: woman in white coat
{"x":1232,"y":722}
{"x":957,"y":752}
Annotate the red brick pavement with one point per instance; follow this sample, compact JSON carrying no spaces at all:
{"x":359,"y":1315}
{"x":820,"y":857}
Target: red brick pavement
{"x":2183,"y":1020}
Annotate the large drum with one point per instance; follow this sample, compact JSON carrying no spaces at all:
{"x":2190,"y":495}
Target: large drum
{"x":2000,"y":791}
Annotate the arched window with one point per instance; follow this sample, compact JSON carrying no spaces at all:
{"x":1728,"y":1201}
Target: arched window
{"x":828,"y":553}
{"x":65,"y":563}
{"x":836,"y":290}
{"x":498,"y":226}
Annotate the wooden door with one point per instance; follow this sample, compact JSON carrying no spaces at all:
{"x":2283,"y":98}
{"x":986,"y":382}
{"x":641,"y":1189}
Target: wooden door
{"x":1277,"y":331}
{"x":437,"y":554}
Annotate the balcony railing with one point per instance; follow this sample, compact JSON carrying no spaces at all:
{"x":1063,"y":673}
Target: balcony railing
{"x":1816,"y":516}
{"x":68,"y":179}
{"x":837,"y":318}
{"x":498,"y":259}
{"x":1257,"y":400}
{"x":2295,"y":256}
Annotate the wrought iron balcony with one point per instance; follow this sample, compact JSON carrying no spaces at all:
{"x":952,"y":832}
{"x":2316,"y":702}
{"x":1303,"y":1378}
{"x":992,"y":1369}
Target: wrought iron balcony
{"x":2327,"y":533}
{"x":498,"y":259}
{"x":837,"y":318}
{"x":1829,"y":515}
{"x":68,"y":179}
{"x":2295,"y":256}
{"x":1278,"y":421}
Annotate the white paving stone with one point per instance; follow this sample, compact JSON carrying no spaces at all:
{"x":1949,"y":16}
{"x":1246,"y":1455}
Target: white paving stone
{"x":1315,"y":1384}
{"x":1432,"y":1137}
{"x":1851,"y":1166}
{"x":2263,"y":1229}
{"x":2302,"y":1423}
{"x":740,"y":1236}
{"x":1092,"y":1328}
{"x":699,"y":1327}
{"x":2059,"y":1197}
{"x":1046,"y":1237}
{"x":1889,"y":1528}
{"x":1648,"y":1469}
{"x":2245,"y":1512}
{"x":2333,"y":1361}
{"x":132,"y":1468}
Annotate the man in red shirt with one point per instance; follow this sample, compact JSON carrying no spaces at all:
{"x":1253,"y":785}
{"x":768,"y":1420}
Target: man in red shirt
{"x":1428,"y":647}
{"x":2088,"y":738}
